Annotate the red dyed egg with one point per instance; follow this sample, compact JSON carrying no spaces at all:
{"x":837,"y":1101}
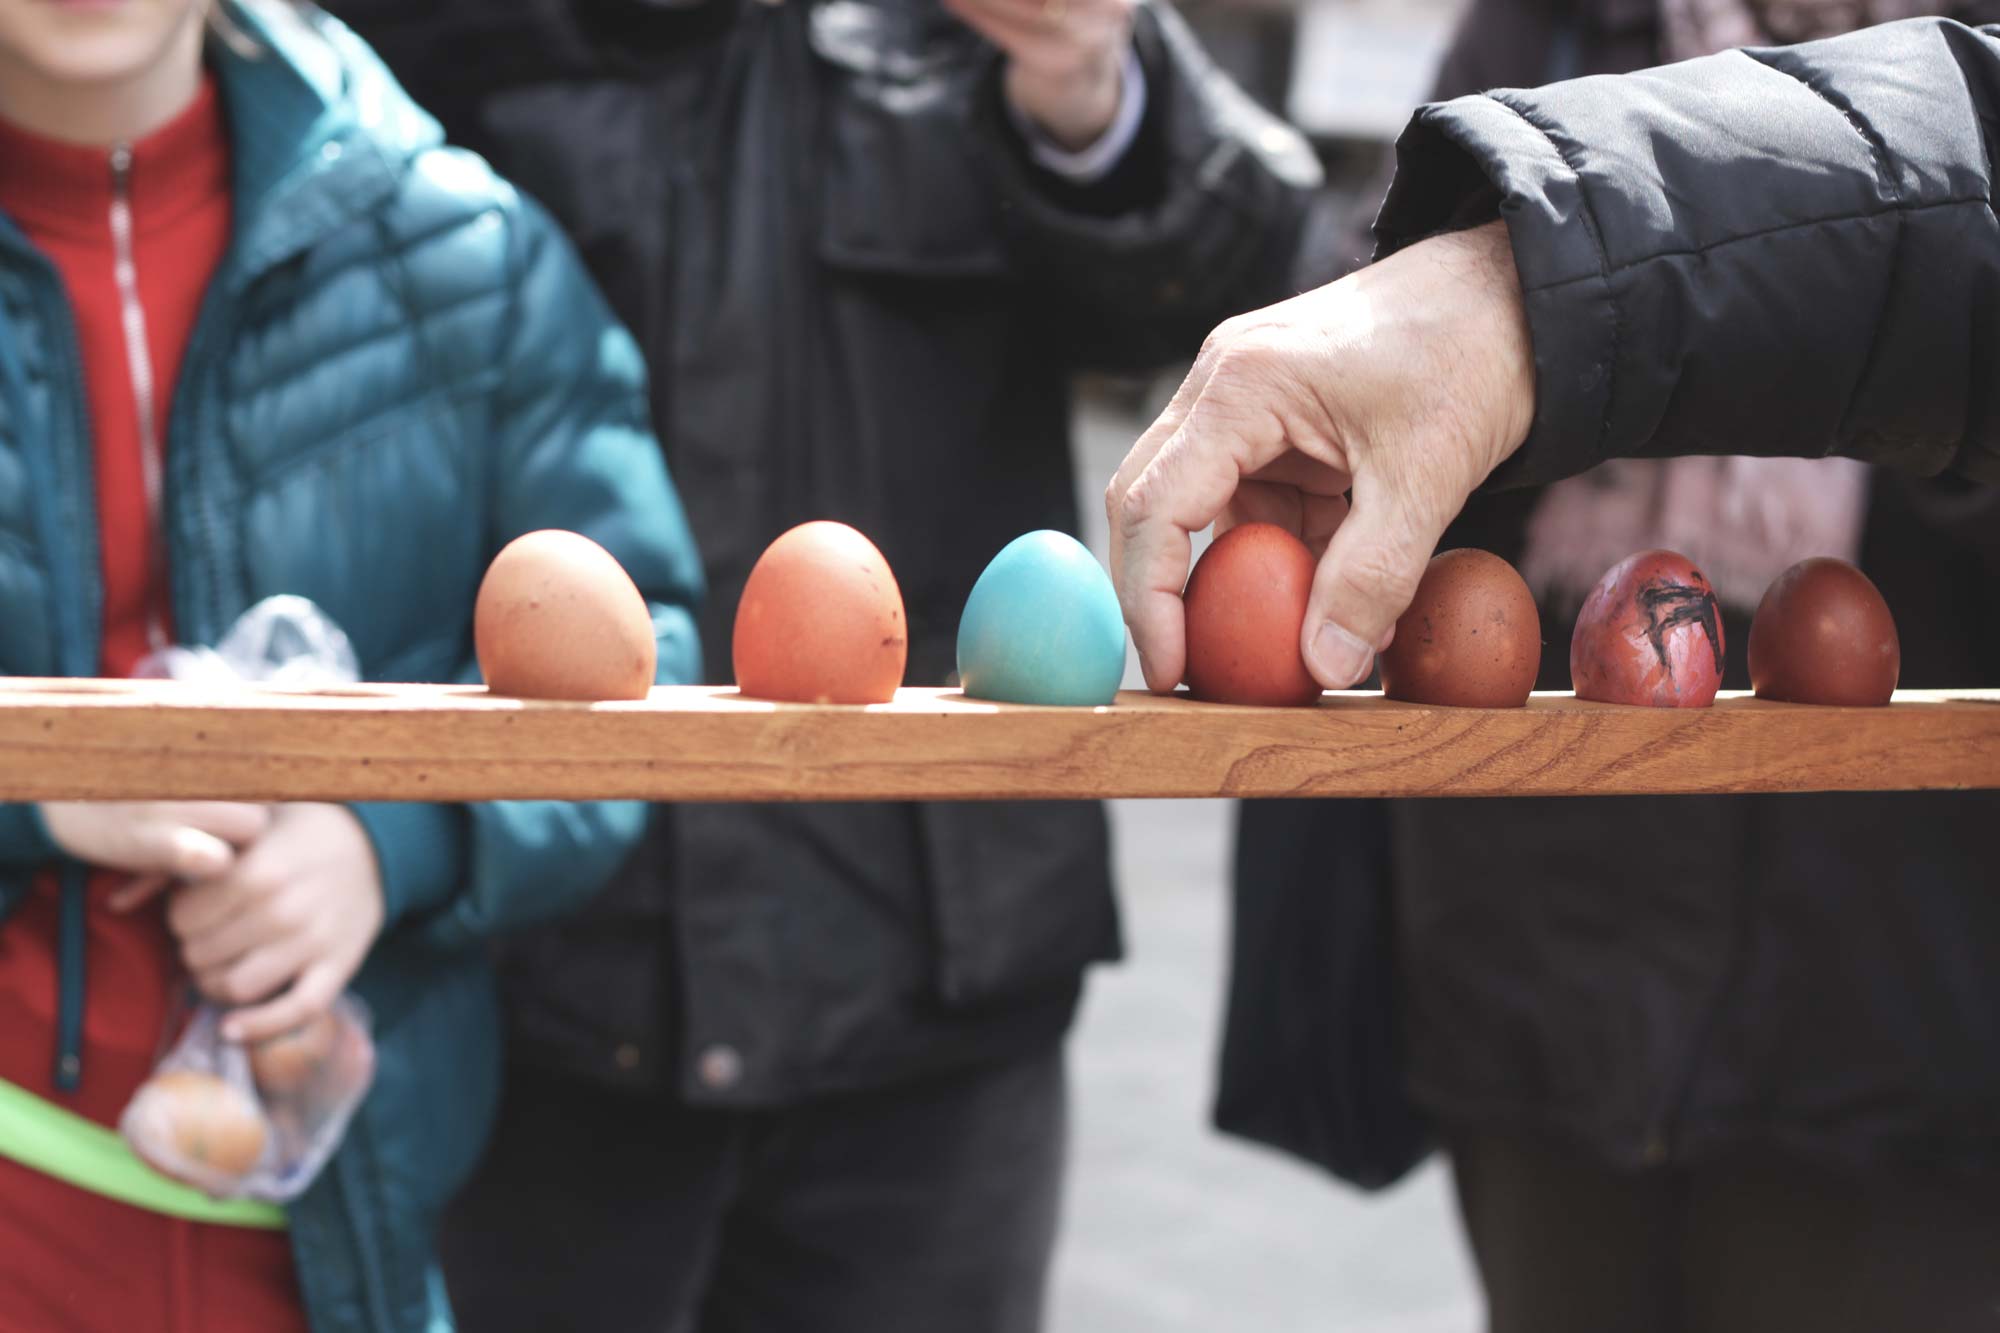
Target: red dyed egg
{"x":1472,"y":637}
{"x":821,"y":621}
{"x":1824,"y":635}
{"x":1650,"y":633}
{"x":1246,"y":608}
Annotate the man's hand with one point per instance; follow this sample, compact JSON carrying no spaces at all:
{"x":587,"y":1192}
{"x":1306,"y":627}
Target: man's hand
{"x":159,"y":840}
{"x":1360,"y":416}
{"x":1065,"y":59}
{"x":286,"y":927}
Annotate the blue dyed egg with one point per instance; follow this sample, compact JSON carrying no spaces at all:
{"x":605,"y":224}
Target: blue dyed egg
{"x":1042,"y":627}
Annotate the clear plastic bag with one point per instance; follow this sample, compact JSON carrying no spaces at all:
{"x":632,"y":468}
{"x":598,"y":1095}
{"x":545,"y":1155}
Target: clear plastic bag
{"x":256,"y":1123}
{"x":282,"y":640}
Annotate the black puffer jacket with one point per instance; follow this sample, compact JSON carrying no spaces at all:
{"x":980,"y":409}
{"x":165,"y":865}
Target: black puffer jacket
{"x":1792,"y":252}
{"x":859,"y":301}
{"x":1669,"y":979}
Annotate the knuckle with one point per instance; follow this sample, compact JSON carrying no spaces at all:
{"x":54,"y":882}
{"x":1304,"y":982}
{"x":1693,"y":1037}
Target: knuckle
{"x":1226,"y":333}
{"x":1376,"y":571}
{"x":1136,"y":505}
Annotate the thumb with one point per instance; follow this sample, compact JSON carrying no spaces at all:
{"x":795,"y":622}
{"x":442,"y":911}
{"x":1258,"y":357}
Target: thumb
{"x":1364,"y":582}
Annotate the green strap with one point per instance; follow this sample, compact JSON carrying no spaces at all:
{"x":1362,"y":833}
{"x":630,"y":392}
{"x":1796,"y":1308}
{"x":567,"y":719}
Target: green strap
{"x":44,"y":1137}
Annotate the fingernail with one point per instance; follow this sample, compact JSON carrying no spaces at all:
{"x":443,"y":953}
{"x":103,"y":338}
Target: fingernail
{"x":1339,"y":659}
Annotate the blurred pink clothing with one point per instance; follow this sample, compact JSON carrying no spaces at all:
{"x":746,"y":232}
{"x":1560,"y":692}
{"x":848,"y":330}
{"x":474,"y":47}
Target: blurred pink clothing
{"x":1743,"y":521}
{"x":1701,"y":27}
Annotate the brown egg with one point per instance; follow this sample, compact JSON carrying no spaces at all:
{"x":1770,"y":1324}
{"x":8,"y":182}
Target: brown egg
{"x":559,"y":618}
{"x":1650,"y":633}
{"x":821,"y":621}
{"x":285,"y":1064}
{"x":1246,"y":607}
{"x":1823,"y":635}
{"x":1472,"y":637}
{"x":206,"y":1122}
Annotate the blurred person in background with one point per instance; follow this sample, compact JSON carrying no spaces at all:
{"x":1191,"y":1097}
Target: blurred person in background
{"x":261,"y":333}
{"x":801,"y":1068}
{"x":1651,"y":1029}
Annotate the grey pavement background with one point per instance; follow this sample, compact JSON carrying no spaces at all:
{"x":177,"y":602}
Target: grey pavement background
{"x":1168,"y":1227}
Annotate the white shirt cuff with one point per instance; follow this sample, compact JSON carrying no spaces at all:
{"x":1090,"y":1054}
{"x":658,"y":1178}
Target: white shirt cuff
{"x":1092,"y":163}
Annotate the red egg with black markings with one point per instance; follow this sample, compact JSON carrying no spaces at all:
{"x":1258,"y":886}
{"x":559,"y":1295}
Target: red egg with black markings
{"x":1649,"y":634}
{"x":1246,"y":609}
{"x":1472,"y":637}
{"x":1824,"y":635}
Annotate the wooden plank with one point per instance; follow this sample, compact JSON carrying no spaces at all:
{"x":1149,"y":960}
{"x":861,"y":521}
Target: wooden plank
{"x":75,"y":740}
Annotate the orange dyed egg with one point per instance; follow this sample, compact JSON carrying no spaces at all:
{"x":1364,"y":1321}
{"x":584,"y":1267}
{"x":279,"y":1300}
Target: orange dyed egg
{"x":1246,"y":608}
{"x":559,"y":618}
{"x":821,"y":621}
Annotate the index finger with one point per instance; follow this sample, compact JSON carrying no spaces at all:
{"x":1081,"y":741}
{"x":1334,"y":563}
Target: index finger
{"x":1189,"y":482}
{"x":311,"y":995}
{"x":237,"y":823}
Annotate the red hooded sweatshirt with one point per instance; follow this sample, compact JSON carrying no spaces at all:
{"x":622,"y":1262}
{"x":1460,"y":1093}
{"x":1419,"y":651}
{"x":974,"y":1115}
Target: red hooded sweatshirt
{"x":135,"y":234}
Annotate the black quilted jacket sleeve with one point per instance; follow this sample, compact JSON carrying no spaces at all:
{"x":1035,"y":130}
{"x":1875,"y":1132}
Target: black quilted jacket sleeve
{"x":1768,"y":252}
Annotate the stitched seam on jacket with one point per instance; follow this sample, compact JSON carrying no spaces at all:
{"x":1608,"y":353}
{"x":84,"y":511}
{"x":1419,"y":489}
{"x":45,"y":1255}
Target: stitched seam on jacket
{"x":288,"y":375}
{"x":15,"y":542}
{"x":1603,"y":268}
{"x":1878,"y":152}
{"x":368,"y":430}
{"x":1838,"y":219}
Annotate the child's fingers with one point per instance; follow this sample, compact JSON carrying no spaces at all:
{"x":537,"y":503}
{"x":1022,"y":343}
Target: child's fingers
{"x":258,"y":974}
{"x":237,"y":823}
{"x":180,"y":850}
{"x":310,"y":996}
{"x":226,"y":939}
{"x":137,"y":892}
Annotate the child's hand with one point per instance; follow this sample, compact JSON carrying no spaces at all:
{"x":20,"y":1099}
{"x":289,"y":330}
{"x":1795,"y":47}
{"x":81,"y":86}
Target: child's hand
{"x":159,"y":840}
{"x":286,"y":928}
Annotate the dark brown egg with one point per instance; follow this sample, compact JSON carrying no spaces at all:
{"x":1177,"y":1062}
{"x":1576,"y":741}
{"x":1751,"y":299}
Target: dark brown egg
{"x":1823,"y":635}
{"x":1650,"y":633}
{"x":1472,"y":637}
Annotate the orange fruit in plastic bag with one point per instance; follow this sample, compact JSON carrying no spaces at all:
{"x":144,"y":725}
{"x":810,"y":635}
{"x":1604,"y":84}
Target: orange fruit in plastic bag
{"x":209,"y":1122}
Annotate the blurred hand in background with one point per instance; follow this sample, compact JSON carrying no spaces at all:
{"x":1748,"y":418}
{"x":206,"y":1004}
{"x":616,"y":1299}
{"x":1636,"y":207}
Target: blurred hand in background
{"x":1065,"y":59}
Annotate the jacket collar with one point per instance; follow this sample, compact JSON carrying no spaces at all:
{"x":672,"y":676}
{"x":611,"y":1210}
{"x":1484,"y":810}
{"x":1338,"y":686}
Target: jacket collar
{"x":320,"y":132}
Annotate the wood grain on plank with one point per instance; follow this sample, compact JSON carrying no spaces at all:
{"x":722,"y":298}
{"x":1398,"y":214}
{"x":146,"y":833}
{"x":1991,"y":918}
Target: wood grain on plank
{"x":75,"y":740}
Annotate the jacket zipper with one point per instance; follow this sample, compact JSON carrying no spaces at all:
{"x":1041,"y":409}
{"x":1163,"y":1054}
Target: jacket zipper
{"x":145,"y":392}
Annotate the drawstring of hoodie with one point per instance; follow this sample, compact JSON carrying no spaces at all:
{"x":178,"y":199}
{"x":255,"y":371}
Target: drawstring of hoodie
{"x":71,"y":937}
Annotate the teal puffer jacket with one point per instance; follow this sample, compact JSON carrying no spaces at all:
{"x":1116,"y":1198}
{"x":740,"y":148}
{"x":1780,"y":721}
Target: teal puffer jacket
{"x":399,"y":367}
